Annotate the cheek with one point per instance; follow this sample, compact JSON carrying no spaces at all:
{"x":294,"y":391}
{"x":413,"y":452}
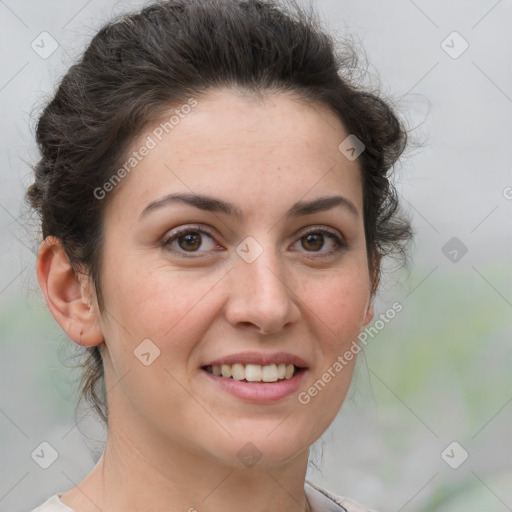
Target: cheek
{"x":338,"y":302}
{"x":336,"y":308}
{"x":173,"y":309}
{"x":161,"y":304}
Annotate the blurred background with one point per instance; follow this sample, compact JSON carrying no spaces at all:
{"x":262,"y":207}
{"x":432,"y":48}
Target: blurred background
{"x":428,"y":421}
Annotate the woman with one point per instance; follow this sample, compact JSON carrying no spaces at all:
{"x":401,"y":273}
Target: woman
{"x":215,"y":203}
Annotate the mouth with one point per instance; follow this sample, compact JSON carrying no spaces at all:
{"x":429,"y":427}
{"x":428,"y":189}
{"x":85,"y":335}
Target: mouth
{"x":255,"y":373}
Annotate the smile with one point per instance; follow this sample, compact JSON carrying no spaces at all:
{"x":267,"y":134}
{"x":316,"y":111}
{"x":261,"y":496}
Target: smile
{"x":254,"y":372}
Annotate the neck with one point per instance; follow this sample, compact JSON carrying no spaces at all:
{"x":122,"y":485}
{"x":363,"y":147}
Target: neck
{"x":142,"y":470}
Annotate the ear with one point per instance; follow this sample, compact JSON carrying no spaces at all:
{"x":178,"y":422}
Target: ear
{"x":375,"y":279}
{"x":369,"y":314}
{"x":67,"y":294}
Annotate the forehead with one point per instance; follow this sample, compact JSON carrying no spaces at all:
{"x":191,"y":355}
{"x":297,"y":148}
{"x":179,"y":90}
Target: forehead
{"x":229,"y":118}
{"x":241,"y":145}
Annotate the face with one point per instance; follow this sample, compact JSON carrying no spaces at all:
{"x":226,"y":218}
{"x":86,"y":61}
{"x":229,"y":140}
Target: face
{"x":259,"y":273}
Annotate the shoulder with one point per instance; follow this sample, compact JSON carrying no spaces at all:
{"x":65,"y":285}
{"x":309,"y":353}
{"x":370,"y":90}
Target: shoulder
{"x":53,"y":504}
{"x":322,"y":500}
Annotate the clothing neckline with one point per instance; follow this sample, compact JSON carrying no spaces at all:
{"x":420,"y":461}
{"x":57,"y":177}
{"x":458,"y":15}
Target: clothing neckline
{"x":320,"y":500}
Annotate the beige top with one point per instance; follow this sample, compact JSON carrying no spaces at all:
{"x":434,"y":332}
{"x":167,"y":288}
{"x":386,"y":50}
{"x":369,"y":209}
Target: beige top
{"x":320,"y":500}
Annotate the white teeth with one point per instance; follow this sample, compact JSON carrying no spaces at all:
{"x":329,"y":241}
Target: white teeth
{"x":255,"y":372}
{"x":226,"y":370}
{"x":238,"y":371}
{"x":269,"y":373}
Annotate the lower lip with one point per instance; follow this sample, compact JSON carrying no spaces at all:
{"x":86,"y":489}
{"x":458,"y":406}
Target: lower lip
{"x":259,"y":392}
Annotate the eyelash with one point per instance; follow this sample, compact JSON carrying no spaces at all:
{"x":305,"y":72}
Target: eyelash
{"x":339,"y":241}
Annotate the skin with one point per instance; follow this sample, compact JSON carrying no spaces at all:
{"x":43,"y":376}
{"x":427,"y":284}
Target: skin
{"x":173,"y":437}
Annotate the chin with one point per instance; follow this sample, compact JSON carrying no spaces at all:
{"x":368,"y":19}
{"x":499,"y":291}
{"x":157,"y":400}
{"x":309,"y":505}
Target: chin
{"x":260,"y":450}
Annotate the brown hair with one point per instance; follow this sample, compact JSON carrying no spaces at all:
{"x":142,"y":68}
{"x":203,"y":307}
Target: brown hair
{"x":138,"y":65}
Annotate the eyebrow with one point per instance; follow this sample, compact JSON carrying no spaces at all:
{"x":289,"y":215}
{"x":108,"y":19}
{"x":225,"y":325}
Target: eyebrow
{"x":212,"y":204}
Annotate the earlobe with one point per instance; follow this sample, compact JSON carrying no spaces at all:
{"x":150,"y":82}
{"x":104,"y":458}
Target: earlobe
{"x":66,"y":294}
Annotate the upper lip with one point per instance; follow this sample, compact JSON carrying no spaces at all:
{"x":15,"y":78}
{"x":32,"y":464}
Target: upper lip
{"x":259,"y":358}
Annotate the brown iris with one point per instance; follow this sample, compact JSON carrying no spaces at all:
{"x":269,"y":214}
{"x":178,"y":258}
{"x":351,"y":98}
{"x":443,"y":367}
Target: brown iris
{"x":192,"y":241}
{"x":314,"y":240}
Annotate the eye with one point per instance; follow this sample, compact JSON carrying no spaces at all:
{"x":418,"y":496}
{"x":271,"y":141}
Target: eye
{"x":190,"y":240}
{"x":316,"y":239}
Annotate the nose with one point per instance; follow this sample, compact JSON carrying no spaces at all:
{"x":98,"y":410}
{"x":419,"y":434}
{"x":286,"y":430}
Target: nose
{"x":262,"y":297}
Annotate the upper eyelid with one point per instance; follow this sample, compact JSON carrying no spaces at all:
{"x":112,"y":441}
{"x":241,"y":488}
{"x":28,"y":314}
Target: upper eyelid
{"x":340,"y":238}
{"x":188,"y":228}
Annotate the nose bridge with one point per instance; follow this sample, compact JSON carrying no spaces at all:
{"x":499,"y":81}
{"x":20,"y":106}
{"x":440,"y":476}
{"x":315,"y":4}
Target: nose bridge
{"x":262,"y":292}
{"x":263,"y":272}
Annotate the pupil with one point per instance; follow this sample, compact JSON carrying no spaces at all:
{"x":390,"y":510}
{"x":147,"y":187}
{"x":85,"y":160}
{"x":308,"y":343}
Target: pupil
{"x":318,"y":238}
{"x":189,"y":241}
